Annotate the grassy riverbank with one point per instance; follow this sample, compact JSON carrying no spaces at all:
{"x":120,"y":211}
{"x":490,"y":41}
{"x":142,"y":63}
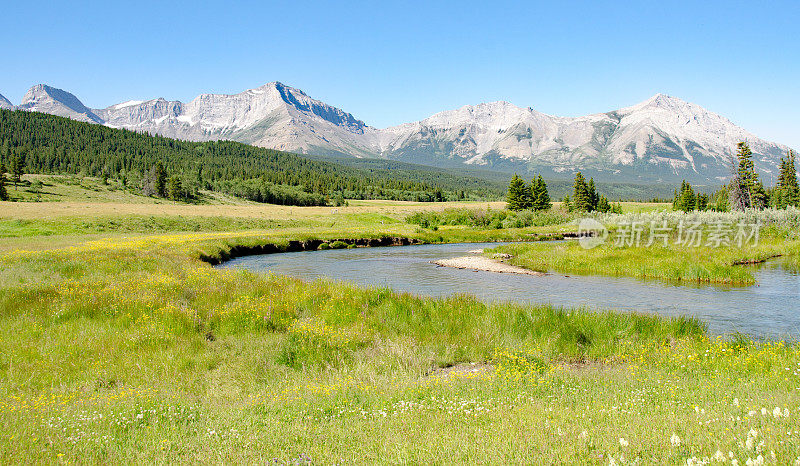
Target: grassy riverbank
{"x":673,"y":263}
{"x":125,"y":348}
{"x":701,"y":263}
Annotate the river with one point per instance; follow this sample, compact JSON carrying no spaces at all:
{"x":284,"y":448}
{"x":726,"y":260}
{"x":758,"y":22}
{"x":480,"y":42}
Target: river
{"x":769,"y":309}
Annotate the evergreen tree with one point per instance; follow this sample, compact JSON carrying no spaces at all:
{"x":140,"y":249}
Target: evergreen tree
{"x":17,"y":168}
{"x":745,"y":191}
{"x":541,"y":198}
{"x":603,"y":205}
{"x":581,"y":197}
{"x":702,"y":202}
{"x":160,"y":179}
{"x":685,"y":200}
{"x":53,"y":144}
{"x":174,"y":189}
{"x":518,"y":194}
{"x":3,"y":191}
{"x":759,"y":195}
{"x":566,"y":203}
{"x":593,"y":197}
{"x":787,"y":193}
{"x":721,"y":200}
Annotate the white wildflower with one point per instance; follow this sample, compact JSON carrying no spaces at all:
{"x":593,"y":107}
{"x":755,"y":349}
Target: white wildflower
{"x":623,"y":442}
{"x":736,"y":401}
{"x":675,"y":440}
{"x":776,"y":413}
{"x":719,"y":456}
{"x":763,"y":411}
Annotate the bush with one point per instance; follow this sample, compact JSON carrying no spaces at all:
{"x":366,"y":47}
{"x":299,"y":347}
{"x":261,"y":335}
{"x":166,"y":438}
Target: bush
{"x":494,"y":219}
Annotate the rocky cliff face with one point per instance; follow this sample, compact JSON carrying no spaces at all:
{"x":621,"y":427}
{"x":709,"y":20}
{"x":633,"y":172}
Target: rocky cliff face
{"x":46,"y":99}
{"x":662,"y":138}
{"x":5,"y":103}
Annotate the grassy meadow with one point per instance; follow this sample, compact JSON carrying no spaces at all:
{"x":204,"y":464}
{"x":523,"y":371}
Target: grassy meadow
{"x":117,"y":345}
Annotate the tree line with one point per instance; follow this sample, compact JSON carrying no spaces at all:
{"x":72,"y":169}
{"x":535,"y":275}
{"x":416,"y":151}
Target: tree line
{"x":745,"y":189}
{"x":160,"y":166}
{"x":534,"y":196}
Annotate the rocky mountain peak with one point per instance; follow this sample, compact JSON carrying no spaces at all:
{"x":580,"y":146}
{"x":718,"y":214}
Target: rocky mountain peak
{"x":47,"y":99}
{"x":661,"y":138}
{"x":5,"y":103}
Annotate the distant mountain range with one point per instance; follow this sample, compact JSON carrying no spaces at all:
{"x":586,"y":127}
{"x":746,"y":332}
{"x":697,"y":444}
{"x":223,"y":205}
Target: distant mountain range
{"x":661,"y":139}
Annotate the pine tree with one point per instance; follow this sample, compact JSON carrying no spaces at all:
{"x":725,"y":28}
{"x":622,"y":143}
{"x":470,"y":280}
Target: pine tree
{"x":603,"y":205}
{"x":593,"y":197}
{"x":517,"y":196}
{"x":787,"y":192}
{"x":17,"y":168}
{"x":541,"y":198}
{"x":581,"y":198}
{"x":160,"y":180}
{"x":685,"y":200}
{"x":721,"y":200}
{"x":174,"y":189}
{"x":745,"y":188}
{"x":702,"y":202}
{"x":759,"y":195}
{"x":3,"y":191}
{"x":566,"y":203}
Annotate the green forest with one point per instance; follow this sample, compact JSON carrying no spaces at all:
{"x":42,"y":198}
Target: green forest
{"x":33,"y":142}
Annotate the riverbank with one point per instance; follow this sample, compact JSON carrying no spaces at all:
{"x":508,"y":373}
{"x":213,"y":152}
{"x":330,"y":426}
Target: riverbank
{"x":721,"y":262}
{"x":129,"y":349}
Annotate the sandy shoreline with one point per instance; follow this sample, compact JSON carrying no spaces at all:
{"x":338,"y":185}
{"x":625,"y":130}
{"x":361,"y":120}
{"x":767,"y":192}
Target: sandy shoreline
{"x":484,"y":264}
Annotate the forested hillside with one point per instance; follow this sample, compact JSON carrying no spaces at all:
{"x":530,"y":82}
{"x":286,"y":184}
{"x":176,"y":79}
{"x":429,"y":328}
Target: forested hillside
{"x":152,"y":164}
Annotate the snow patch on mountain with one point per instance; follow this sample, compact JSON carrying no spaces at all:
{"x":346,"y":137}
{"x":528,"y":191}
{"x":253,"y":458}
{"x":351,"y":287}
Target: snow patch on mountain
{"x":662,"y":137}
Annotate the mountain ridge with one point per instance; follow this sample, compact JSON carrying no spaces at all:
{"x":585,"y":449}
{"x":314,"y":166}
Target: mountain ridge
{"x":660,"y":139}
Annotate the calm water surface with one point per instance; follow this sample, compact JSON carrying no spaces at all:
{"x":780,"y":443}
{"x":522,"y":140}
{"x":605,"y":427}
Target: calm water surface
{"x":770,"y":309}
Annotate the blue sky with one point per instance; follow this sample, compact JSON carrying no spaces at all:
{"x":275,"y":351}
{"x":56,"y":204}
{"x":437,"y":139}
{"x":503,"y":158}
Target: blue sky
{"x":389,"y":63}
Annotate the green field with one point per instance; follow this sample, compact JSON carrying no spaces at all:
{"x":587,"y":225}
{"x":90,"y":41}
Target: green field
{"x":117,"y":345}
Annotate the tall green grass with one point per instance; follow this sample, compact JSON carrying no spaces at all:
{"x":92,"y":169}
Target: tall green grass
{"x":130,"y":350}
{"x":704,"y":263}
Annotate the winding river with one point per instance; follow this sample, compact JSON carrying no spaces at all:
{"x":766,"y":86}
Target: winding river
{"x":769,"y":309}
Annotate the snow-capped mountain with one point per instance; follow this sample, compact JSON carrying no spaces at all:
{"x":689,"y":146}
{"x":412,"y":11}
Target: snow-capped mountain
{"x":662,"y":138}
{"x":5,"y":103}
{"x":273,"y":115}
